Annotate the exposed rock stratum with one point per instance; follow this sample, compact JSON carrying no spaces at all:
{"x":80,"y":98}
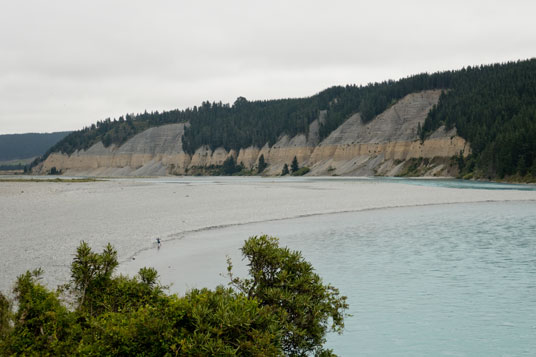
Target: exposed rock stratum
{"x":382,"y":146}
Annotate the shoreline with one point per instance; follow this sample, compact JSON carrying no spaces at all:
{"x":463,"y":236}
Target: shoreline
{"x":22,"y":177}
{"x":184,"y":234}
{"x":42,"y":223}
{"x":202,"y":253}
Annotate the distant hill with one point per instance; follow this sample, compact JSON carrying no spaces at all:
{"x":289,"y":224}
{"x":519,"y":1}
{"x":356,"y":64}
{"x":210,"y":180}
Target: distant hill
{"x":492,"y":107}
{"x":25,"y":146}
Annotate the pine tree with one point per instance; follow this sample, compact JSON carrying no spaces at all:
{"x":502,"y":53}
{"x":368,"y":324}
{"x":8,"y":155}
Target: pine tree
{"x":285,"y":170}
{"x":229,"y":166}
{"x":294,"y":166}
{"x":262,"y":164}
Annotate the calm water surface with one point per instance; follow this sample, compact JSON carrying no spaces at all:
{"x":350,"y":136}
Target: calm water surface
{"x":453,"y":280}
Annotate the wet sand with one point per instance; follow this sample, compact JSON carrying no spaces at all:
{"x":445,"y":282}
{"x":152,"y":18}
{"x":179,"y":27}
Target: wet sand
{"x":42,"y":223}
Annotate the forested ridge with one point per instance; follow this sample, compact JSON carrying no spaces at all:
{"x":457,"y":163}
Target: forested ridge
{"x":25,"y":146}
{"x":492,"y":106}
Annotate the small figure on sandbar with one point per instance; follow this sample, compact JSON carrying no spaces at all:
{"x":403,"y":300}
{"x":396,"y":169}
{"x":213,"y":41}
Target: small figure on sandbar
{"x":158,"y":243}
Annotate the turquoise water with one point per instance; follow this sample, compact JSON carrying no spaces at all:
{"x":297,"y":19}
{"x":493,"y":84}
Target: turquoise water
{"x":448,"y":183}
{"x":446,"y":280}
{"x":455,"y":183}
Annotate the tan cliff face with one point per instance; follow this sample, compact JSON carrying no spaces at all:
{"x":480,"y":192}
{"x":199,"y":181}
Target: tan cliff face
{"x":152,"y":152}
{"x":355,"y":148}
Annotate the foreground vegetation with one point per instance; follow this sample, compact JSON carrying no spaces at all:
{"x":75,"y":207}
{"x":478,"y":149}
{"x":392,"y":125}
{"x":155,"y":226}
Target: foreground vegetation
{"x":282,"y":308}
{"x":493,"y":107}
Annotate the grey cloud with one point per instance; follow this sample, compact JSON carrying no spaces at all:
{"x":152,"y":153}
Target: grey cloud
{"x":66,"y":64}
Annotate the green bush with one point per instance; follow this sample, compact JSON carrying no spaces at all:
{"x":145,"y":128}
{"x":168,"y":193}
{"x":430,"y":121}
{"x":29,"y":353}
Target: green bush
{"x":283,"y":308}
{"x":301,"y":171}
{"x":283,"y":281}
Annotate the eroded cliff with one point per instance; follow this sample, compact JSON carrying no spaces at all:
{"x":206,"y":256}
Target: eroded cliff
{"x":382,"y":146}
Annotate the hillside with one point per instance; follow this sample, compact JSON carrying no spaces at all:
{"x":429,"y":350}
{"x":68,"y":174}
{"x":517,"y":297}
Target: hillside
{"x":381,"y":146}
{"x":486,"y":116}
{"x":18,"y":149}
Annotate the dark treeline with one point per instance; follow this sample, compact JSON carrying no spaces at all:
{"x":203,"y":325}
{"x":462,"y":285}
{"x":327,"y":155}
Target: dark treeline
{"x":494,"y":108}
{"x":9,"y":167}
{"x":491,"y":106}
{"x":26,"y":146}
{"x":248,"y":123}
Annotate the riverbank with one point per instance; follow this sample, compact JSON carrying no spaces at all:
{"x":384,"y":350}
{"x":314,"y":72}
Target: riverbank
{"x":42,"y":223}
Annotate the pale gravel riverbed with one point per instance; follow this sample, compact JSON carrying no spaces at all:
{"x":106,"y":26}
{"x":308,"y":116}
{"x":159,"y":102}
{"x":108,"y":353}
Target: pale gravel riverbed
{"x":42,"y":223}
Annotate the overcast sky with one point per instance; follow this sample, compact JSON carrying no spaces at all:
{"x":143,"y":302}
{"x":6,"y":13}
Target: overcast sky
{"x":66,"y":64}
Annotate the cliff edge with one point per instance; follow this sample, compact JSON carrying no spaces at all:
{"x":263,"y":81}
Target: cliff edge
{"x":384,"y":146}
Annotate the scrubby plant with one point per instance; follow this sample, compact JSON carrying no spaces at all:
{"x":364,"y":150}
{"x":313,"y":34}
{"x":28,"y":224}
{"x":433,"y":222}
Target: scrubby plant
{"x":283,"y":308}
{"x":284,"y":281}
{"x":301,"y":171}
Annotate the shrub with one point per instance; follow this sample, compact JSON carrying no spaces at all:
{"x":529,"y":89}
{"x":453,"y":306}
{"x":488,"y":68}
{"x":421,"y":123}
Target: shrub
{"x":282,"y":308}
{"x":301,"y":171}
